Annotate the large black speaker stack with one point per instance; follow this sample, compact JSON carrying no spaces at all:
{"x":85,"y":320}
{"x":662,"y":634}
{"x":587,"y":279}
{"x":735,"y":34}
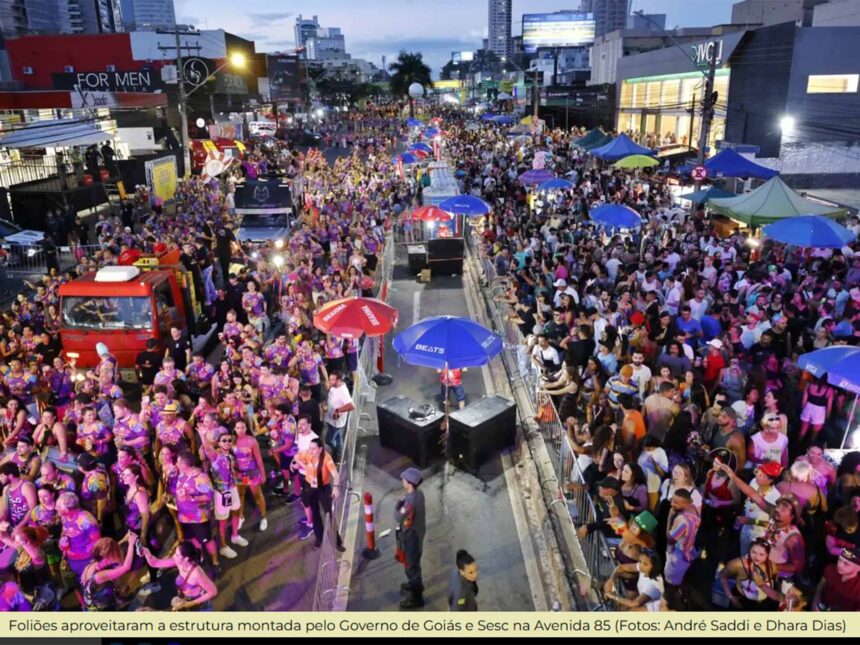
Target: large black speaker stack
{"x":415,"y":438}
{"x":480,"y":430}
{"x":446,"y":256}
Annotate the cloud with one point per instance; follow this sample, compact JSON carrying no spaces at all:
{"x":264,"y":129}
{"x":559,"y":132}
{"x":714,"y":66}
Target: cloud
{"x":263,"y":19}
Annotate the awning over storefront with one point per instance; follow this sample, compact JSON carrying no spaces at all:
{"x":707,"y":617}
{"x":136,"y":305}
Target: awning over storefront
{"x":63,"y":132}
{"x":728,"y":163}
{"x":770,"y":202}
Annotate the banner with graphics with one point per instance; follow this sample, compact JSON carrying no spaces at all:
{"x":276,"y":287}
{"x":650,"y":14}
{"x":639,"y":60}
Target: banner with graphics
{"x":285,"y":77}
{"x":267,"y":197}
{"x":161,"y":178}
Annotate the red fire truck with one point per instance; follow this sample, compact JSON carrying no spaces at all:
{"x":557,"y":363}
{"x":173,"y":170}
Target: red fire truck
{"x":125,"y":306}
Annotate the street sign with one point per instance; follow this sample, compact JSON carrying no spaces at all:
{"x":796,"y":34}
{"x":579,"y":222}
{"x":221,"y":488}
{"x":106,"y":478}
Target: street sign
{"x":699,"y":173}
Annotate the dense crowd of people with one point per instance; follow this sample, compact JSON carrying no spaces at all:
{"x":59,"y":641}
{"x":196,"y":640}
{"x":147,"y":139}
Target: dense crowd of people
{"x":668,"y":356}
{"x":108,"y":483}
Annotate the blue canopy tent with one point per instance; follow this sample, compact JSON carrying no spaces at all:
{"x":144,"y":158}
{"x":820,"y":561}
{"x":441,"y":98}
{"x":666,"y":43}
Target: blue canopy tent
{"x":620,"y":147}
{"x":728,"y":163}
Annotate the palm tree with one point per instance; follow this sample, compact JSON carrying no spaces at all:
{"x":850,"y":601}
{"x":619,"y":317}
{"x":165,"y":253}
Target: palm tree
{"x":407,"y":69}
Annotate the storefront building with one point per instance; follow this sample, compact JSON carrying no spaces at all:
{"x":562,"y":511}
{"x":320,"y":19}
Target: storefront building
{"x":660,"y":92}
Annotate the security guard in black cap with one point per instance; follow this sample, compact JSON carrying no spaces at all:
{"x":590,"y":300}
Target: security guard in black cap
{"x":410,"y":516}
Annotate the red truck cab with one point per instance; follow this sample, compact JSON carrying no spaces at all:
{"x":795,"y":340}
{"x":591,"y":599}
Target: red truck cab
{"x":123,"y":307}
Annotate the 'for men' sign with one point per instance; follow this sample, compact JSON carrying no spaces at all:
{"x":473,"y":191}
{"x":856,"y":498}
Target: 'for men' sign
{"x":140,"y":81}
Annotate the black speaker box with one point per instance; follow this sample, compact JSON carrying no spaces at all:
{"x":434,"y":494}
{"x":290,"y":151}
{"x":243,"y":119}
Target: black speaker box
{"x":446,"y":248}
{"x":450,"y":266}
{"x":418,"y":439}
{"x":481,"y":429}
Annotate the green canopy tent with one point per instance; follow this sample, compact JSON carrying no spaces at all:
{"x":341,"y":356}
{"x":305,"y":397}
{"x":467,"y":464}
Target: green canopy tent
{"x":591,"y":137}
{"x":770,"y":202}
{"x":606,"y":138}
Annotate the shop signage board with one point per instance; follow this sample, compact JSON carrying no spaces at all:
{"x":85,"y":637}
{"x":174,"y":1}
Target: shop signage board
{"x":699,"y":173}
{"x":119,"y":81}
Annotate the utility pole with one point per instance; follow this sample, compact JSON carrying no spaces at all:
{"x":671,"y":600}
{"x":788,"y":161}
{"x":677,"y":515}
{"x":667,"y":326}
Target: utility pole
{"x":709,"y":100}
{"x":183,"y":96}
{"x":535,"y":95}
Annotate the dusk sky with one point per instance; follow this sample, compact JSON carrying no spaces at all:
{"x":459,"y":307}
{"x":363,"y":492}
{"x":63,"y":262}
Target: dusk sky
{"x":376,"y":27}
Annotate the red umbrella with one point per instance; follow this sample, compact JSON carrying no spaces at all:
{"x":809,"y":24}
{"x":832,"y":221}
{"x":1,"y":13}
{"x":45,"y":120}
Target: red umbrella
{"x":421,"y":154}
{"x":352,"y":317}
{"x":431,"y":214}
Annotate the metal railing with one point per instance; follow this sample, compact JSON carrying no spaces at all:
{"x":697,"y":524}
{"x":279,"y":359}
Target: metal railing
{"x":569,"y":486}
{"x":25,"y":260}
{"x":328,"y":593}
{"x":52,"y":172}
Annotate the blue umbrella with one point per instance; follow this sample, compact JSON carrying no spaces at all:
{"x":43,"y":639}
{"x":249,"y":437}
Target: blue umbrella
{"x":536,"y":176}
{"x":616,"y":216}
{"x":466,"y":205}
{"x":421,"y":146}
{"x":405,"y":157}
{"x":811,"y":231}
{"x":489,"y":116}
{"x":556,"y":184}
{"x":430,"y":132}
{"x":504,"y":119}
{"x":841,"y":363}
{"x":412,"y":121}
{"x":447,"y":342}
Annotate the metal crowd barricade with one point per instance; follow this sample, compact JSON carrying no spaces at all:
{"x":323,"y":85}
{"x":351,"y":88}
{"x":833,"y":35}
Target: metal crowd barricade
{"x":572,"y":489}
{"x":331,"y":562}
{"x":25,"y":260}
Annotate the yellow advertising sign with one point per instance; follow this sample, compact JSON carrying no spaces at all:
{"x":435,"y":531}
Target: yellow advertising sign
{"x":161,"y":176}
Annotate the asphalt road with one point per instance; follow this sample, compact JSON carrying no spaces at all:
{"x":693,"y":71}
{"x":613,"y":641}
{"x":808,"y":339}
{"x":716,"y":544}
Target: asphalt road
{"x":463,"y":510}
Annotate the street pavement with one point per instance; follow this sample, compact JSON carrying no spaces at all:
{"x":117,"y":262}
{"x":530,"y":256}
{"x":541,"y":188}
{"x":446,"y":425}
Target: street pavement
{"x":464,"y":511}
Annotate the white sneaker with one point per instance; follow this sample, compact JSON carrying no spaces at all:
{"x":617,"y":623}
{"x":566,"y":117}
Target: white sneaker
{"x":241,"y":522}
{"x":227,"y":552}
{"x":264,"y":524}
{"x":238,"y":539}
{"x":149,"y":588}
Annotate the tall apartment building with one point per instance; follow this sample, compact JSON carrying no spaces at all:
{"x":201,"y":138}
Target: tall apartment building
{"x":609,"y":15}
{"x":22,"y":17}
{"x":305,"y":28}
{"x":145,"y":15}
{"x":328,"y":43}
{"x":499,"y":27}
